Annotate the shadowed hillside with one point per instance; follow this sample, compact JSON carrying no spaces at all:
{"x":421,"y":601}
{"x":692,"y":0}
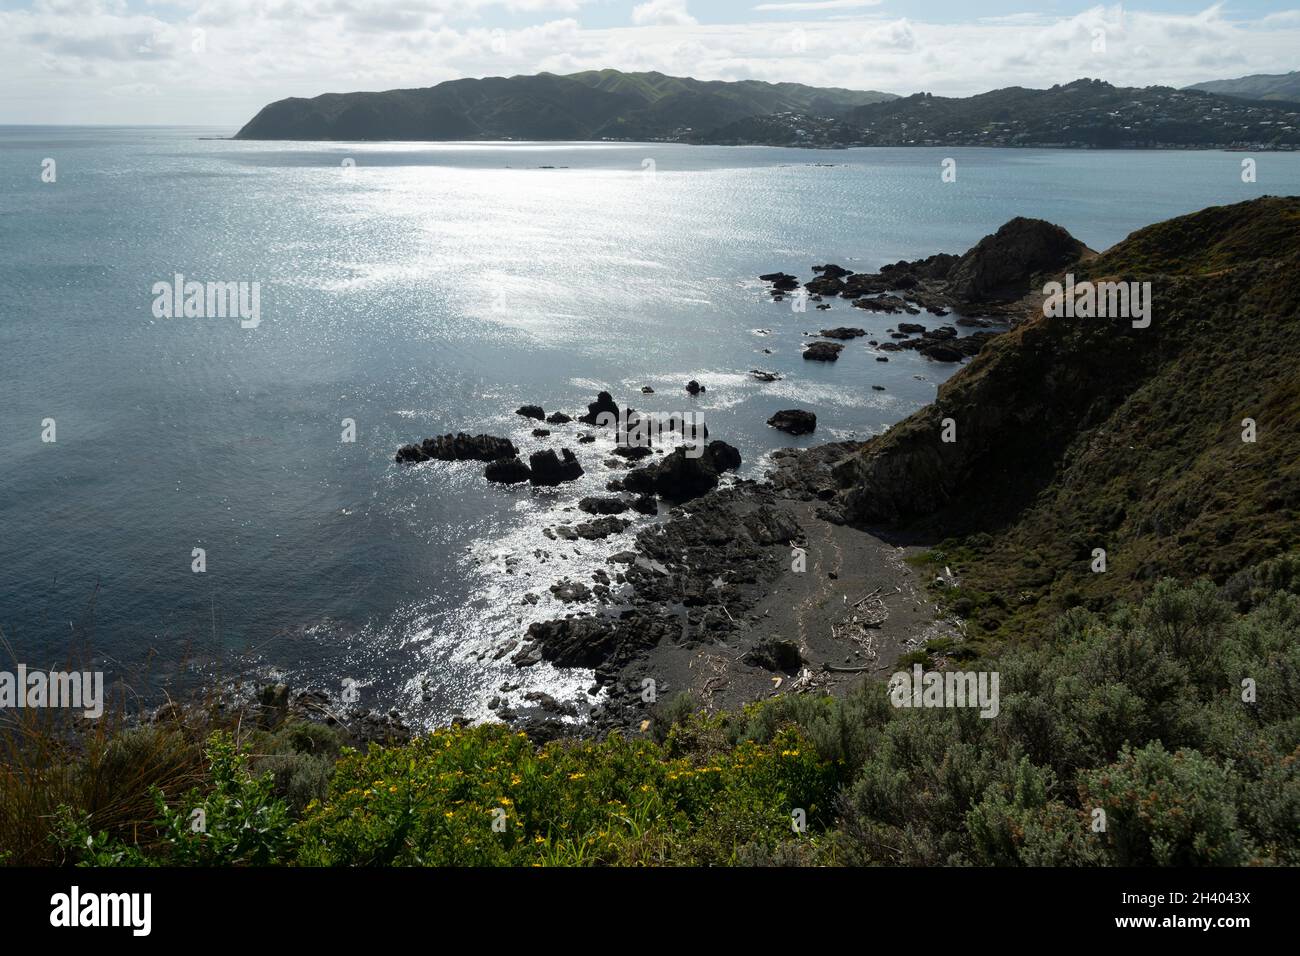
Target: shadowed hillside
{"x":1082,"y":433}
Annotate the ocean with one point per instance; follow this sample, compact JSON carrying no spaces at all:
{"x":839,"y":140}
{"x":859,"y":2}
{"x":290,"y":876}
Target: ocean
{"x":415,"y":290}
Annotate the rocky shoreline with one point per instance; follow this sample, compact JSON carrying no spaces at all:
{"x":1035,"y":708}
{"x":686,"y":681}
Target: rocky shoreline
{"x":732,"y":589}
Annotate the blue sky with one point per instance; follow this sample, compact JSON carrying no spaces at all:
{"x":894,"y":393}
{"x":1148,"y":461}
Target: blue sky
{"x":218,"y":61}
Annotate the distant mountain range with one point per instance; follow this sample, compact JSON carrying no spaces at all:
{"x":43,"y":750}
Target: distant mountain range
{"x":608,"y":104}
{"x":598,"y":104}
{"x":1259,"y":86}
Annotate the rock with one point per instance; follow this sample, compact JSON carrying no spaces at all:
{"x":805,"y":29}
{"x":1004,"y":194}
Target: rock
{"x":1000,"y":266}
{"x":774,"y":654}
{"x":549,"y":469}
{"x":681,"y":478}
{"x":825,"y":285}
{"x":795,"y":421}
{"x":602,"y":506}
{"x":647,"y":390}
{"x":881,"y":358}
{"x":600,"y":528}
{"x":910,"y":328}
{"x":570,"y":591}
{"x":458,"y":447}
{"x":507,"y":471}
{"x":842,"y":333}
{"x":823,"y":351}
{"x":604,"y":403}
{"x":541,"y":432}
{"x":558,"y":418}
{"x":646,"y":505}
{"x":763,"y":376}
{"x":877,"y":388}
{"x":823,"y":307}
{"x":694,"y":387}
{"x":781,"y":280}
{"x":531,"y":411}
{"x":941,"y":353}
{"x":832,"y":271}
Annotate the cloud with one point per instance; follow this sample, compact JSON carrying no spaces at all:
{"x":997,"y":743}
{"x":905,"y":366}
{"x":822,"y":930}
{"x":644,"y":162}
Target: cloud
{"x":662,"y":13}
{"x":59,"y":68}
{"x":813,"y":5}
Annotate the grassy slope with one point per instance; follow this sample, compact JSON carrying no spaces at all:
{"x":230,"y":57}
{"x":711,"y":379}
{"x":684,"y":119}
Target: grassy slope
{"x":1075,"y":434}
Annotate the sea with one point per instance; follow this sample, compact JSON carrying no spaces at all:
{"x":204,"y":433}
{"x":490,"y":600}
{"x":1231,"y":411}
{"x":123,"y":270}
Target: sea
{"x":197,"y":501}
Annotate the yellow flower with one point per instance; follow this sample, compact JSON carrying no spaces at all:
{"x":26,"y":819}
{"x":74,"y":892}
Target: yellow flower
{"x":393,"y":788}
{"x":449,"y":814}
{"x":576,"y":776}
{"x":515,"y":780}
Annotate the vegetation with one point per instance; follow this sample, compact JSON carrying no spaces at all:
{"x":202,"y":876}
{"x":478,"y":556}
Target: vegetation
{"x":1140,"y":718}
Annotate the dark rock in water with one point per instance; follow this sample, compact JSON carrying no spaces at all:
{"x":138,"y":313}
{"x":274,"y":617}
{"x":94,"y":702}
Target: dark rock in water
{"x":633,"y":452}
{"x":781,"y":280}
{"x":600,"y":528}
{"x":762,"y":376}
{"x":604,"y":403}
{"x":646,"y":505}
{"x":568,"y":591}
{"x":885,"y":303}
{"x":507,"y":471}
{"x":647,"y":390}
{"x":823,"y":351}
{"x":725,"y":457}
{"x":881,"y":358}
{"x":558,"y":418}
{"x":823,"y":307}
{"x":681,"y":478}
{"x":825,"y":285}
{"x":531,"y":411}
{"x":614,"y":485}
{"x":541,"y":432}
{"x":832,"y":271}
{"x":694,"y":387}
{"x":602,"y":506}
{"x":550,"y":469}
{"x":877,"y":388}
{"x":943,"y":332}
{"x":458,"y":447}
{"x":941,"y":353}
{"x":586,"y":439}
{"x":843,"y":332}
{"x":911,"y":328}
{"x":796,"y":421}
{"x":774,"y":654}
{"x":1000,"y":266}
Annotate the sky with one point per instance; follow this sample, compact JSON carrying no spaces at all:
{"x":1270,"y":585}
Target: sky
{"x":216,"y":62}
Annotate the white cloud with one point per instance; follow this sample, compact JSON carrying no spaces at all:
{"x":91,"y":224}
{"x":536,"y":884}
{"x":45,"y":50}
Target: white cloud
{"x":662,"y":13}
{"x":813,"y":5}
{"x":60,"y":68}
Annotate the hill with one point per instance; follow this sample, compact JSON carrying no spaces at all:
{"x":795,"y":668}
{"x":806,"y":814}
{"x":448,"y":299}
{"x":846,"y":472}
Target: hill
{"x":1258,"y":86}
{"x":1085,"y":113}
{"x":604,"y":104}
{"x":1075,"y":434}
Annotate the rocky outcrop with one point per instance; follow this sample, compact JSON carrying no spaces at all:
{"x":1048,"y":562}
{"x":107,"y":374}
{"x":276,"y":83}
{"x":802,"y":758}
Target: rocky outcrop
{"x":679,"y":477}
{"x":547,"y":468}
{"x":1000,"y":266}
{"x":458,"y":447}
{"x":507,"y":471}
{"x":795,"y":421}
{"x":823,"y":351}
{"x":604,"y":404}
